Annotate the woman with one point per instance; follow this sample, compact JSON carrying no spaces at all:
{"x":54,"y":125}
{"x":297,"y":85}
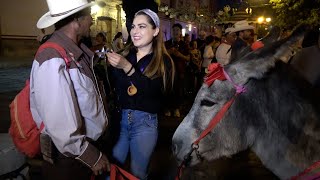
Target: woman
{"x":143,"y":72}
{"x":117,"y":43}
{"x":212,"y":43}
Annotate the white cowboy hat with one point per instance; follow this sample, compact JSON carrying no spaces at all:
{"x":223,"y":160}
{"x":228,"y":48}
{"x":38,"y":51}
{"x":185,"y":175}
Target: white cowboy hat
{"x":229,"y":30}
{"x":60,"y":9}
{"x":241,"y":25}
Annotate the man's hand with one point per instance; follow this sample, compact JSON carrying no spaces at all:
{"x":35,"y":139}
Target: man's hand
{"x":101,"y":166}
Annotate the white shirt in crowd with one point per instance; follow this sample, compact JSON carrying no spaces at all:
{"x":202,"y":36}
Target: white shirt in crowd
{"x":207,"y":56}
{"x":223,"y":54}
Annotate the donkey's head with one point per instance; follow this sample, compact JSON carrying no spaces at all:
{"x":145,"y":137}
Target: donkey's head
{"x":235,"y":131}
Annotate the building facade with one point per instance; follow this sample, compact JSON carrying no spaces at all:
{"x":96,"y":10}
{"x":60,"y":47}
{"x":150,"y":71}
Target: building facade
{"x":18,"y":31}
{"x":18,"y":20}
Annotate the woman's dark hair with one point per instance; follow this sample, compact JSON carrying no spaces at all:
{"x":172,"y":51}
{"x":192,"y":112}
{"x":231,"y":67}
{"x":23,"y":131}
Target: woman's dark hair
{"x":209,"y":39}
{"x":119,"y":34}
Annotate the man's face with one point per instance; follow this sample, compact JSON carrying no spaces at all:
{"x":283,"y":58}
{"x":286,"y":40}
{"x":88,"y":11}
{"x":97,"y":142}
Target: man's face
{"x":231,"y":37}
{"x":85,"y":26}
{"x":176,"y":32}
{"x":247,"y":34}
{"x":85,"y":22}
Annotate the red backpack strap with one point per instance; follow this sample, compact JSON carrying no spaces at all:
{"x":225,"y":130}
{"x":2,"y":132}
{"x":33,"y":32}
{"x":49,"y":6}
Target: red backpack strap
{"x":57,"y":47}
{"x":41,"y":126}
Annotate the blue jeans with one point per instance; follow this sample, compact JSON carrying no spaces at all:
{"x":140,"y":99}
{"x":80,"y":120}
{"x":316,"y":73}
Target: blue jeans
{"x":138,"y":134}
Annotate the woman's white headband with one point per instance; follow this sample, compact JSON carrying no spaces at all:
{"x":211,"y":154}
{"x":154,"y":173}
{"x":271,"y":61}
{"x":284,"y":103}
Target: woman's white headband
{"x":151,"y":14}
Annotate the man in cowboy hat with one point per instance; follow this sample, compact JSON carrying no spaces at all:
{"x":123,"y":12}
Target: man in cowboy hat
{"x":66,"y":97}
{"x":223,"y":52}
{"x":244,"y":33}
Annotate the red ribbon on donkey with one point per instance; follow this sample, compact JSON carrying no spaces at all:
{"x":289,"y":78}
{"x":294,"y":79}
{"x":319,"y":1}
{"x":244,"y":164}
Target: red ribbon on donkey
{"x":215,"y":72}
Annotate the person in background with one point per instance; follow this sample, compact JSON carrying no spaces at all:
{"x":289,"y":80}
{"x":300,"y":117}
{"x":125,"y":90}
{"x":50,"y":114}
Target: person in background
{"x":195,"y":65}
{"x":201,"y":41}
{"x":187,"y":39}
{"x":223,"y":52}
{"x":143,"y":72}
{"x":217,"y":31}
{"x":66,"y":98}
{"x":179,"y":52}
{"x":101,"y":68}
{"x":117,"y":43}
{"x":212,"y":43}
{"x":100,"y":42}
{"x":244,"y":33}
{"x":188,"y":77}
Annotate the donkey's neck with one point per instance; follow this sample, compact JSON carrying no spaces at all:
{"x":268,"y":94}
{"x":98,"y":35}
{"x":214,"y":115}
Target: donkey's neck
{"x":284,"y":158}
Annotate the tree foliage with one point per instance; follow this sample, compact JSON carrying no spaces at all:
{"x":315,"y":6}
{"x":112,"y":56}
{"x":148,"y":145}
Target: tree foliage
{"x":290,"y":13}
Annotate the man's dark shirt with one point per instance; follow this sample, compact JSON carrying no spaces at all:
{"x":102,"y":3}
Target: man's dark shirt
{"x":201,"y":44}
{"x":237,"y":47}
{"x":183,"y":49}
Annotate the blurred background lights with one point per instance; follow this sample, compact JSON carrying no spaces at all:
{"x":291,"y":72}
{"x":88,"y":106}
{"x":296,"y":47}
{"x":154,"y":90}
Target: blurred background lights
{"x":95,"y":9}
{"x":260,"y":19}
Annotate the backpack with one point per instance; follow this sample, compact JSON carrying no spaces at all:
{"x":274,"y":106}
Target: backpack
{"x":23,"y":130}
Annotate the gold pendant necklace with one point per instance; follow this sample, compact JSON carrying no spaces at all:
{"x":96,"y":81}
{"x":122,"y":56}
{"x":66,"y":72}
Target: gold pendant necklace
{"x":132,"y":90}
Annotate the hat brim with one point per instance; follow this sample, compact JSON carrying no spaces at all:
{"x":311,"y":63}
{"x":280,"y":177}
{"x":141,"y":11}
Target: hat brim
{"x":228,"y":30}
{"x":47,"y":20}
{"x":241,"y":29}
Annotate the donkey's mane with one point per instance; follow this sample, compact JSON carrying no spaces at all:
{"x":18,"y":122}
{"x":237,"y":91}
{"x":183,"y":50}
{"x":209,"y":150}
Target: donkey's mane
{"x":282,"y":98}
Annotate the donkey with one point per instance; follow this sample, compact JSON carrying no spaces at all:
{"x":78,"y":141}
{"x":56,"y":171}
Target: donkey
{"x":275,"y":112}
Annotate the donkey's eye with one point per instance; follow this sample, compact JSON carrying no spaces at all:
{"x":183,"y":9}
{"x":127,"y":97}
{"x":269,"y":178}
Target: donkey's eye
{"x":206,"y":102}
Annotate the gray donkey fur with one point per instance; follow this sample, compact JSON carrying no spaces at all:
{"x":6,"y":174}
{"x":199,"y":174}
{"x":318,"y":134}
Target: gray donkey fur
{"x":278,"y":116}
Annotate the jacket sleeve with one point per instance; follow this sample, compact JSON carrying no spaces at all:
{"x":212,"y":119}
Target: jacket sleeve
{"x":57,"y":105}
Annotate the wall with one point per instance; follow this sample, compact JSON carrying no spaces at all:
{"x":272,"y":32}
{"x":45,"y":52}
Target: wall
{"x":18,"y":31}
{"x":19,"y":17}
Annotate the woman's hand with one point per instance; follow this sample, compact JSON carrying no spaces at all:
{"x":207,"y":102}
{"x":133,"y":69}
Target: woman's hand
{"x":118,"y":61}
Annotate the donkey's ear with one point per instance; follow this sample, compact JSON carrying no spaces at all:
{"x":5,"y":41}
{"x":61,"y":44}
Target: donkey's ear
{"x":256,"y":63}
{"x":272,"y":36}
{"x":291,"y":45}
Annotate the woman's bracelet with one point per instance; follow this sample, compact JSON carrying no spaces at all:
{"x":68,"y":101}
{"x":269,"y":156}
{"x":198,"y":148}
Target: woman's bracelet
{"x":129,"y":70}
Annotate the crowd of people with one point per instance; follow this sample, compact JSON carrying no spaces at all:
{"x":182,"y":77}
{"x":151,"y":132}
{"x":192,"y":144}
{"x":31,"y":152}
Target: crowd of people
{"x":192,"y":57}
{"x":144,"y":76}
